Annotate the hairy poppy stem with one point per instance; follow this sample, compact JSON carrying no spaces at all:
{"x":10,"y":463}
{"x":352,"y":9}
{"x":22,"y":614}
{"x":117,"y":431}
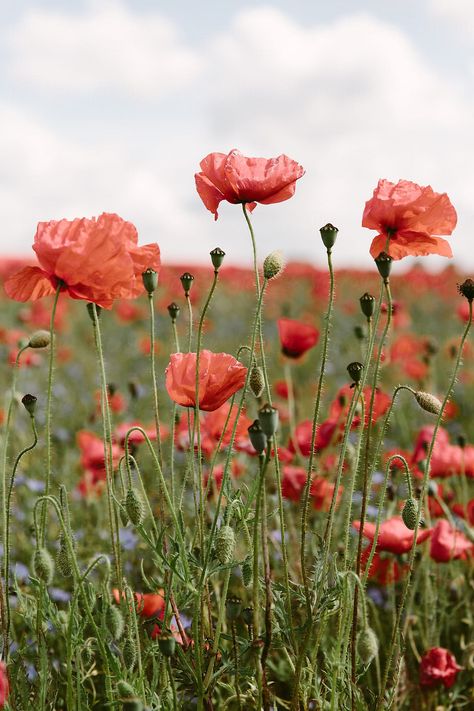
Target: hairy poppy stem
{"x":153,"y":377}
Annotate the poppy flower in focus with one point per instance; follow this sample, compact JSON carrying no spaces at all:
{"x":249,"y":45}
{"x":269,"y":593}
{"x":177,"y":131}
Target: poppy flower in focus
{"x":4,"y":684}
{"x":296,"y":338}
{"x":97,"y":260}
{"x":409,"y":217}
{"x":447,"y":543}
{"x":220,"y":376}
{"x":394,"y":536}
{"x":238,"y":179}
{"x":438,"y":666}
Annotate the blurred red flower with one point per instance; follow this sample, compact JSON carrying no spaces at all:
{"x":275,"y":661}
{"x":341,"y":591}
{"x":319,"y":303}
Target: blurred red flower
{"x":394,"y":536}
{"x":447,"y":543}
{"x":220,"y":376}
{"x":92,"y":454}
{"x":408,"y":217}
{"x":238,"y":179}
{"x":295,"y":337}
{"x":438,"y":666}
{"x":96,"y":260}
{"x":148,"y":604}
{"x":466,"y":512}
{"x":4,"y":684}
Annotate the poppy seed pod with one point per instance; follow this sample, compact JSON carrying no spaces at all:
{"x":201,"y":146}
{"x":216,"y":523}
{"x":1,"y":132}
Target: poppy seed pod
{"x":367,"y":304}
{"x":29,"y":402}
{"x":233,"y":607}
{"x":268,"y":418}
{"x":173,"y":310}
{"x":384,"y":264}
{"x":187,"y":282}
{"x":328,"y":235}
{"x":273,"y":265}
{"x":39,"y":339}
{"x":467,"y":289}
{"x":257,"y":436}
{"x":247,"y":615}
{"x":150,"y":280}
{"x":217,"y":257}
{"x":355,"y":371}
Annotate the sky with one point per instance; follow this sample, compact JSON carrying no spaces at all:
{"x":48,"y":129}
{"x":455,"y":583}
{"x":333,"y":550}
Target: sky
{"x":110,"y":105}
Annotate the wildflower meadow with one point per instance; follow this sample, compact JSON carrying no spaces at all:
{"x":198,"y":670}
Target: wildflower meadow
{"x":238,"y":488}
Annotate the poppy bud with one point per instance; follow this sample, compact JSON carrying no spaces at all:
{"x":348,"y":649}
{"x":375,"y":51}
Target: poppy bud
{"x":467,"y":289}
{"x":257,"y":436}
{"x":256,"y":381}
{"x":39,"y":339}
{"x":428,"y":402}
{"x":135,"y":389}
{"x":273,"y":265}
{"x":367,"y":304}
{"x":29,"y":402}
{"x":410,"y":513}
{"x":217,"y":257}
{"x":134,"y":507}
{"x":125,"y":689}
{"x":247,"y":615}
{"x":247,"y":572}
{"x":187,"y":282}
{"x":62,"y":559}
{"x":225,"y":544}
{"x":124,"y":517}
{"x":129,"y":652}
{"x":150,"y":280}
{"x":233,"y":608}
{"x":367,"y":645}
{"x":132,"y":703}
{"x":268,"y":418}
{"x":355,"y":371}
{"x":114,"y":622}
{"x":328,"y":235}
{"x":173,"y":310}
{"x":43,"y":565}
{"x":90,"y":310}
{"x":384,"y":265}
{"x":167,"y":644}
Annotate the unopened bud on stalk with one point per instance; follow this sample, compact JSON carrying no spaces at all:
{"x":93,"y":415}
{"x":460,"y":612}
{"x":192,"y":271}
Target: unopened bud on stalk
{"x":129,"y":652}
{"x":39,"y":339}
{"x":367,"y":645}
{"x":273,"y":265}
{"x":355,"y":371}
{"x":217,"y":257}
{"x":114,"y":622}
{"x":29,"y":402}
{"x":467,"y":289}
{"x":247,"y":615}
{"x":247,"y":572}
{"x":384,"y":265}
{"x":134,"y":507}
{"x":268,"y":418}
{"x":187,"y":282}
{"x":173,"y":310}
{"x":410,"y":513}
{"x":233,"y":607}
{"x":167,"y":644}
{"x":225,"y":544}
{"x":150,"y":280}
{"x":256,"y":381}
{"x":62,"y":559}
{"x":328,"y":235}
{"x":367,"y":304}
{"x":428,"y":402}
{"x":43,"y":565}
{"x":257,"y":436}
{"x":125,"y":689}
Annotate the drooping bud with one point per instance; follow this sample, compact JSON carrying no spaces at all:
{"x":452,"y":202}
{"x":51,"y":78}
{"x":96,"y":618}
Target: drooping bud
{"x":167,"y":644}
{"x":256,"y":381}
{"x":129,"y":652}
{"x":355,"y":371}
{"x":268,"y":418}
{"x":384,"y":265}
{"x":217,"y":257}
{"x":125,"y":689}
{"x":367,"y":645}
{"x":62,"y":559}
{"x":29,"y":402}
{"x":134,"y":507}
{"x":273,"y":265}
{"x":225,"y":544}
{"x":467,"y":289}
{"x":150,"y":280}
{"x":257,"y":436}
{"x":428,"y":402}
{"x":114,"y":622}
{"x":367,"y":304}
{"x":43,"y":565}
{"x":329,"y":235}
{"x":124,"y":517}
{"x":233,"y":607}
{"x":410,"y":513}
{"x":173,"y":310}
{"x":247,"y":571}
{"x":39,"y":339}
{"x":187,"y":282}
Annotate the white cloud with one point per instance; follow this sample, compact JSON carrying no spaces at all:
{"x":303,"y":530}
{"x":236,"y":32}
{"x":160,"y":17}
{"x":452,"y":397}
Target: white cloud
{"x":460,"y":13}
{"x":107,"y":47}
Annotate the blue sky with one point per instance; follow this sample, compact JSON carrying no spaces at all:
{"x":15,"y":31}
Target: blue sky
{"x":109,"y":105}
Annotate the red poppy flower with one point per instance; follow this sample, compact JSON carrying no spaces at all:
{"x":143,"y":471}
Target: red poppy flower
{"x":383,"y":570}
{"x":212,"y":428}
{"x":4,"y":684}
{"x":148,"y":604}
{"x":394,"y":536}
{"x":340,"y":406}
{"x":220,"y":376}
{"x":466,"y":512}
{"x":322,"y":492}
{"x":295,"y":337}
{"x":303,"y":432}
{"x":438,"y":666}
{"x":447,"y":543}
{"x":92,"y":454}
{"x":409,"y":216}
{"x":96,"y":260}
{"x":293,"y":482}
{"x":238,"y":179}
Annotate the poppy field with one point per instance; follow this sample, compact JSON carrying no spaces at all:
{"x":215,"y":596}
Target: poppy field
{"x":238,"y":488}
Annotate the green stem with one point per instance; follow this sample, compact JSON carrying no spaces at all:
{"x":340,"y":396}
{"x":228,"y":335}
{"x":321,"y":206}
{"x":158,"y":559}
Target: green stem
{"x":153,"y":378}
